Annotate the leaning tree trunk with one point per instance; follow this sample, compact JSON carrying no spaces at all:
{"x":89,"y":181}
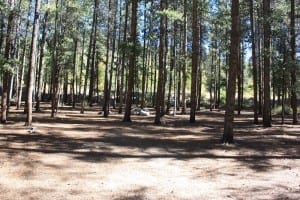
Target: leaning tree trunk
{"x":233,"y":65}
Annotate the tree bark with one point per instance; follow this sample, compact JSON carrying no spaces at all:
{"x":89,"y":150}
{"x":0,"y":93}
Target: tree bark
{"x":159,"y":107}
{"x":40,"y":71}
{"x":195,"y":61}
{"x":228,"y":135}
{"x":32,"y":63}
{"x":254,"y":62}
{"x":184,"y":66}
{"x":267,"y":63}
{"x":93,"y":52}
{"x":6,"y":74}
{"x":74,"y":73}
{"x":88,"y":64}
{"x":132,"y":61}
{"x":294,"y":66}
{"x":123,"y":60}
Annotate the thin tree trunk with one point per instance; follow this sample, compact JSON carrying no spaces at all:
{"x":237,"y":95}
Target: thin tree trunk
{"x":74,"y":73}
{"x":23,"y":63}
{"x":107,"y":67}
{"x":200,"y":63}
{"x":93,"y":52}
{"x":32,"y":62}
{"x":239,"y":80}
{"x":113,"y":51}
{"x":254,"y":62}
{"x":211,"y":79}
{"x":294,"y":66}
{"x":40,"y":71}
{"x":81,"y":63}
{"x":2,"y":27}
{"x":144,"y":59}
{"x":56,"y":65}
{"x":195,"y":61}
{"x":184,"y":71}
{"x":123,"y":61}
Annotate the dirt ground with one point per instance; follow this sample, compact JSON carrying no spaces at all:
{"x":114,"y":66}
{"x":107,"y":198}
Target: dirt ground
{"x":77,"y":156}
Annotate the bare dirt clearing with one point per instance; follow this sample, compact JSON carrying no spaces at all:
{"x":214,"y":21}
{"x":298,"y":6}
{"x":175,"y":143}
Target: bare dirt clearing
{"x":86,"y":156}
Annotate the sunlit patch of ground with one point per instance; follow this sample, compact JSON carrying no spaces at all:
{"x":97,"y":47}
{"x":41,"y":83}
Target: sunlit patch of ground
{"x":86,"y":156}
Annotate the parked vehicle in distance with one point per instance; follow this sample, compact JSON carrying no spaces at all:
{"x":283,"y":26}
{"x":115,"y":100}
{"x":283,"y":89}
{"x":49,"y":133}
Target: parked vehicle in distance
{"x":140,"y":111}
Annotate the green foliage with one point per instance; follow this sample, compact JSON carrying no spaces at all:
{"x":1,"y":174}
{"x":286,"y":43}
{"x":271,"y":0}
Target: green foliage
{"x":8,"y":65}
{"x":171,"y":14}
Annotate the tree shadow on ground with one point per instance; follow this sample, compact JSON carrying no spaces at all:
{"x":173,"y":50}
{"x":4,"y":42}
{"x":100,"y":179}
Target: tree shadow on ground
{"x":138,"y":194}
{"x":143,"y":140}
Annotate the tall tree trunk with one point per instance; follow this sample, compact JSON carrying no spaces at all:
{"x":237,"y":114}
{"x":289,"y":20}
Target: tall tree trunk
{"x":294,"y":66}
{"x":93,"y":52}
{"x":6,"y":74}
{"x":74,"y":73}
{"x":159,"y":107}
{"x":184,"y":66}
{"x":259,"y":28}
{"x":113,"y":51}
{"x":32,"y":62}
{"x":211,"y":78}
{"x":228,"y":135}
{"x":23,"y":62}
{"x":123,"y":60}
{"x":2,"y":27}
{"x":239,"y":81}
{"x":107,"y":66}
{"x":254,"y":62}
{"x":40,"y":71}
{"x":144,"y":58}
{"x":56,"y":65}
{"x":89,"y":58}
{"x":267,"y":63}
{"x":132,"y":61}
{"x":195,"y":61}
{"x":200,"y":62}
{"x":81,"y":62}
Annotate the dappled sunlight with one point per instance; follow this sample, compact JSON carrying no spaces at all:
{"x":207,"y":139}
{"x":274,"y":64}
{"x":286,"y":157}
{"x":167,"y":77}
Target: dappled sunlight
{"x":95,"y":156}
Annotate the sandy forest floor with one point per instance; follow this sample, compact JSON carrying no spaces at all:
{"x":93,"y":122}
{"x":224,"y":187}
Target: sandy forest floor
{"x":86,"y":156}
